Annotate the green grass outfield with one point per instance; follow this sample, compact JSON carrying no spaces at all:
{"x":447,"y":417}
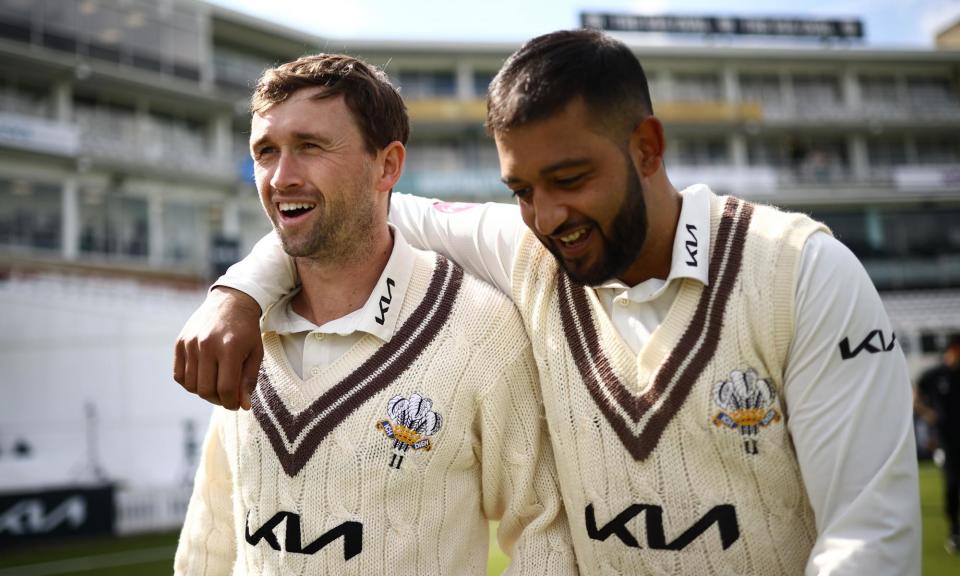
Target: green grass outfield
{"x":152,"y":555}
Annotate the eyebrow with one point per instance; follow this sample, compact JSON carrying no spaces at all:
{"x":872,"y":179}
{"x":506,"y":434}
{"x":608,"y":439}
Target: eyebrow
{"x":298,"y":135}
{"x":562,"y":164}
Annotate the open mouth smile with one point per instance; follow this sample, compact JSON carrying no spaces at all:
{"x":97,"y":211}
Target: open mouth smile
{"x":572,"y":242}
{"x":293,"y":211}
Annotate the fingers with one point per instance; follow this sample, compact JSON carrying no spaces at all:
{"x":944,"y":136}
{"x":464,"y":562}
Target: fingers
{"x":214,"y":345}
{"x":180,"y":363}
{"x":207,"y":377}
{"x":190,"y":354}
{"x":251,"y":368}
{"x":228,"y":386}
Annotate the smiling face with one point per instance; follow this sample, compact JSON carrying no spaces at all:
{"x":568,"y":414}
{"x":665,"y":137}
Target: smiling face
{"x":578,"y":192}
{"x":315,"y":176}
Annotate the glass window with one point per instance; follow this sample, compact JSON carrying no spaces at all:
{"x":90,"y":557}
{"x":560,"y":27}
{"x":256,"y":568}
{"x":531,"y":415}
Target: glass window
{"x":184,"y":237}
{"x":766,"y":152}
{"x":850,"y":228}
{"x":236,"y":69}
{"x":61,"y":16}
{"x":701,"y":151}
{"x":761,"y":88}
{"x":426,"y":84}
{"x":253,"y":225}
{"x":26,"y":100}
{"x":481,"y":80}
{"x":886,"y":151}
{"x":814,"y":91}
{"x":818,"y":160}
{"x":30,"y":214}
{"x":113,"y":225}
{"x":697,"y":88}
{"x":938,"y":150}
{"x":931,"y":91}
{"x":879,"y":89}
{"x":17,"y":9}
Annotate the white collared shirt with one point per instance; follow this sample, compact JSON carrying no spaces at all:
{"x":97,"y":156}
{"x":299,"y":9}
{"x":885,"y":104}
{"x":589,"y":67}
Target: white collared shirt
{"x":636,"y":311}
{"x":310,"y":348}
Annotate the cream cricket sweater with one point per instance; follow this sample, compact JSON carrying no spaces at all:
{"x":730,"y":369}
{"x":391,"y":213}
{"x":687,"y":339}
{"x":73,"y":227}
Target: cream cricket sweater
{"x":391,"y":460}
{"x":678,"y":460}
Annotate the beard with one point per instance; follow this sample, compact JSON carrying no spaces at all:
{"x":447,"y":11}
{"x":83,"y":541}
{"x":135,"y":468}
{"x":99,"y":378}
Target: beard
{"x":621,"y":248}
{"x":341,"y":229}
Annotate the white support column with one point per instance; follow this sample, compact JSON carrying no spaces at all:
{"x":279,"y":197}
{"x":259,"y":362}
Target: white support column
{"x":464,"y":81}
{"x":852,"y":97}
{"x":664,"y":84}
{"x":62,"y":96}
{"x":857,"y":151}
{"x":220,"y":137}
{"x":155,"y":228}
{"x":70,"y":220}
{"x":230,"y":223}
{"x":913,"y":156}
{"x":731,"y":84}
{"x":738,"y":150}
{"x":205,"y":45}
{"x":903,"y":94}
{"x":788,"y":97}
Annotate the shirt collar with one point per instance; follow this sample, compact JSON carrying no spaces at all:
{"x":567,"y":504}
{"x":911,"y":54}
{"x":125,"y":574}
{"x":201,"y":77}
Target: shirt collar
{"x":691,"y":247}
{"x":378,"y":316}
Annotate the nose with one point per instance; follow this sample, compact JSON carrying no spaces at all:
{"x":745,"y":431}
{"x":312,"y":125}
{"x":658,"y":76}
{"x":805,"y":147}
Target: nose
{"x":548,"y":212}
{"x":286,"y":173}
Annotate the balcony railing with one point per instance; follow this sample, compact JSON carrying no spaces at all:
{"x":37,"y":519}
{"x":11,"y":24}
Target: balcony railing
{"x":38,"y":134}
{"x":132,"y":140}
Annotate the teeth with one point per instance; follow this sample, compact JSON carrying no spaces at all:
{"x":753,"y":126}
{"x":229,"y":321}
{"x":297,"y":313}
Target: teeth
{"x":573,"y":237}
{"x":289,"y":206}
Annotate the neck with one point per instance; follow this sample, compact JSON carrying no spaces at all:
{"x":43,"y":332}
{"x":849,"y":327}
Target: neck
{"x":656,"y":255}
{"x":331,"y":290}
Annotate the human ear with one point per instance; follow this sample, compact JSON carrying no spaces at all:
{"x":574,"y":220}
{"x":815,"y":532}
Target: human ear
{"x":647,"y":145}
{"x":390,"y":165}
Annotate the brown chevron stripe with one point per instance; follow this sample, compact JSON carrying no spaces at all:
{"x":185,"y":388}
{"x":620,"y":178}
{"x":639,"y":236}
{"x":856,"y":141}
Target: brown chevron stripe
{"x":700,"y":338}
{"x":382,"y":368}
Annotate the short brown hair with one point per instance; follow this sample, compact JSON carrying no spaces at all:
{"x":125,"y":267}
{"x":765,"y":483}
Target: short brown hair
{"x":550,"y":71}
{"x":376,"y":105}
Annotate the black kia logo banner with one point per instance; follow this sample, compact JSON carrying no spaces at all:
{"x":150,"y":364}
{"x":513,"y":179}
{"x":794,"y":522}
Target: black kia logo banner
{"x":28,"y":516}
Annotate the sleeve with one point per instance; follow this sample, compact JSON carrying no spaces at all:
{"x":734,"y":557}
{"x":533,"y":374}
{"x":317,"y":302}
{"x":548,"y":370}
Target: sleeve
{"x":482,"y":238}
{"x":848,"y":394}
{"x":266,"y":274}
{"x":519,"y":479}
{"x":207,"y":544}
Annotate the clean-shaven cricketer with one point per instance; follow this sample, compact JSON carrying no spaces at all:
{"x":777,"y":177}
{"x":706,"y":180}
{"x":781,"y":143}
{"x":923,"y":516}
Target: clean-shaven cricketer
{"x":722,"y":386}
{"x":397,"y":409}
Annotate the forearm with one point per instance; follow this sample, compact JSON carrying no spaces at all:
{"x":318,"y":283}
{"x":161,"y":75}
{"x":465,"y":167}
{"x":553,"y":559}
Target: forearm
{"x":266,"y":274}
{"x":482,"y":238}
{"x":848,"y":396}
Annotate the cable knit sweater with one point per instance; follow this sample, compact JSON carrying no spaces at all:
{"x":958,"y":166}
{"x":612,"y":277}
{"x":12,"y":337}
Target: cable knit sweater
{"x":392,"y":459}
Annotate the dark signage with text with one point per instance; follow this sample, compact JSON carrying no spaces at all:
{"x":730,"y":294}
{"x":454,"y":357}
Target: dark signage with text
{"x":721,"y":25}
{"x":30,"y":516}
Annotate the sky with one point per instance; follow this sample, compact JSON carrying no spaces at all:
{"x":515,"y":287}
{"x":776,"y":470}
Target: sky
{"x":888,"y":23}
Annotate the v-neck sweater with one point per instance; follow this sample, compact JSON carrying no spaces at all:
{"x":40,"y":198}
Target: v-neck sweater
{"x":655,"y":449}
{"x":408,"y":447}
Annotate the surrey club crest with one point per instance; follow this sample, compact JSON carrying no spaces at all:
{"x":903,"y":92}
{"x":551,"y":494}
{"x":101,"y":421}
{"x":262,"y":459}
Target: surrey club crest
{"x":411,"y":422}
{"x":746,"y":402}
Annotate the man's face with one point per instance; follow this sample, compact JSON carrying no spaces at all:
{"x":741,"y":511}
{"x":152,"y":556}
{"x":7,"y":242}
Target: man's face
{"x":314,"y":175}
{"x":578,"y":192}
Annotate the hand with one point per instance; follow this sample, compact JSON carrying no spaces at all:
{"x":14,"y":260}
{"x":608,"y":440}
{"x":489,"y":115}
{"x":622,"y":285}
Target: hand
{"x":218,"y":352}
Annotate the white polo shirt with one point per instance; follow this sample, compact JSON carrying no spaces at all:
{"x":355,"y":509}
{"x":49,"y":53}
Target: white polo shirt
{"x":311,"y":348}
